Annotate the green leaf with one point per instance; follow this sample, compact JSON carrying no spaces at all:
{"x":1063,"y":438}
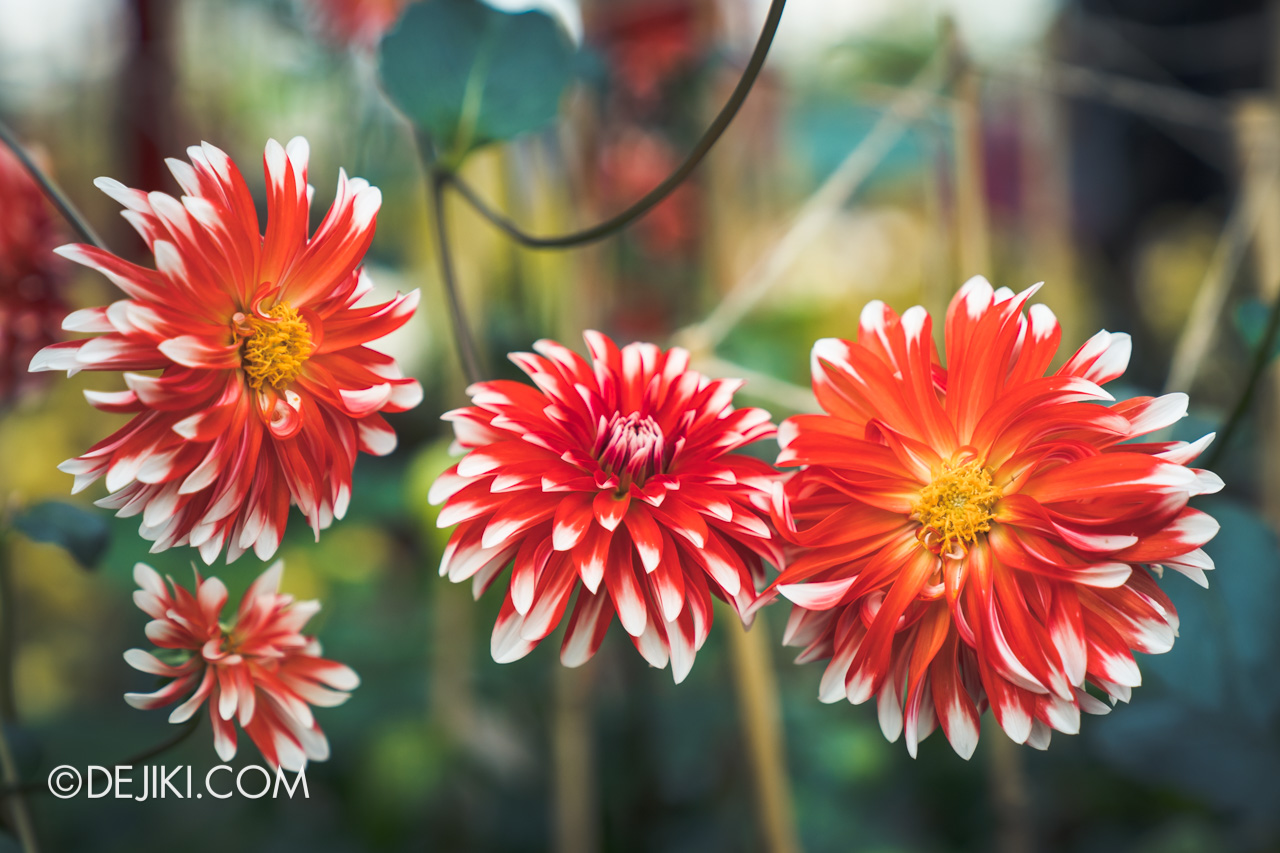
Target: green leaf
{"x":84,"y":534}
{"x":1251,"y":322}
{"x":1205,"y":721}
{"x":467,"y":74}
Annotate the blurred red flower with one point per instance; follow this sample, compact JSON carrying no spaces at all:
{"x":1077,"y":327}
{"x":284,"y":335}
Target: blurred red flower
{"x":978,"y":533}
{"x":632,"y":163}
{"x":357,"y":23}
{"x":31,"y":305}
{"x":646,"y":42}
{"x":266,"y":389}
{"x":619,"y":473}
{"x":260,"y":671}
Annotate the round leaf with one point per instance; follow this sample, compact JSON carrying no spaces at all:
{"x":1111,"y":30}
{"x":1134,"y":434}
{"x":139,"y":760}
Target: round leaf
{"x":467,"y":74}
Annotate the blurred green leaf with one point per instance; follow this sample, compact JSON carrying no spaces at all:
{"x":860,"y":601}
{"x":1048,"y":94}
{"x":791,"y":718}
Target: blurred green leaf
{"x":1251,"y":322}
{"x":84,"y":534}
{"x":468,"y":74}
{"x":1205,"y":719}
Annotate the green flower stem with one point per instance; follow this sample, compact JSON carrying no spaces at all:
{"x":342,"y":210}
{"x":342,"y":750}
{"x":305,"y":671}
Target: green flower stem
{"x":468,"y":354}
{"x":51,"y":191}
{"x":621,"y":220}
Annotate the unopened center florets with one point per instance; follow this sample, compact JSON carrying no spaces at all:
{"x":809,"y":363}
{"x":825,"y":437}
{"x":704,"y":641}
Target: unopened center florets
{"x":957,"y":506}
{"x":277,"y":348}
{"x":633,"y":447}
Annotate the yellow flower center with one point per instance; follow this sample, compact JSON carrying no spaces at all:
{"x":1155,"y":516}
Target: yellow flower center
{"x":275,"y":352}
{"x":957,"y":506}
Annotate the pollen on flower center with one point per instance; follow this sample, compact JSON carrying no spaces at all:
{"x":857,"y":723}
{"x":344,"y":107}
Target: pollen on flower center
{"x":277,"y":348}
{"x":957,"y":506}
{"x":632,"y":447}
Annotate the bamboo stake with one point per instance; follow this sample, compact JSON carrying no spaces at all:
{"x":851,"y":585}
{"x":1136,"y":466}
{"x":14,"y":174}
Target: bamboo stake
{"x":972,"y":225}
{"x":577,"y":824}
{"x":1257,"y":129}
{"x":818,"y":211}
{"x":1263,"y":167}
{"x":757,"y":690}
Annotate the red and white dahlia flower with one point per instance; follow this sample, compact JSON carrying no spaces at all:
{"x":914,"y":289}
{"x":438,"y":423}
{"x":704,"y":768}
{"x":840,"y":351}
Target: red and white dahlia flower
{"x":617,"y":478}
{"x":260,"y":671}
{"x":266,"y":388}
{"x":981,"y":533}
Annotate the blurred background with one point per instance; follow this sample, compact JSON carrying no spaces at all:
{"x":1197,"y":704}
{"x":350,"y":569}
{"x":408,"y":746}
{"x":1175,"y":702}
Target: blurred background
{"x":1124,"y":151}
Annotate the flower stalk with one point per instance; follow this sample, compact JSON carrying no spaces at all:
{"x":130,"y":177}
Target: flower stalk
{"x":18,"y":814}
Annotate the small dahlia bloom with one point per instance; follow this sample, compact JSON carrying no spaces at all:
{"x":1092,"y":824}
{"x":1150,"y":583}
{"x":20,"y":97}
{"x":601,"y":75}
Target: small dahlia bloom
{"x":983,"y":533}
{"x":31,"y":277}
{"x":616,"y":478}
{"x":259,"y":670}
{"x":266,"y":387}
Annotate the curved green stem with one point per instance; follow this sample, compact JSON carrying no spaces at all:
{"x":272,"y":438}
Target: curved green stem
{"x":468,"y":354}
{"x":50,"y":190}
{"x":1261,"y":357}
{"x":616,"y":223}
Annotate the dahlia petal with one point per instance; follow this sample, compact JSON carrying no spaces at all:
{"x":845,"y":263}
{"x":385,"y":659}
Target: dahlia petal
{"x":361,"y":402}
{"x":507,"y":645}
{"x":88,"y":320}
{"x":590,"y":557}
{"x":832,"y":686}
{"x":515,"y":517}
{"x":646,"y":536}
{"x":446,"y":486}
{"x":610,"y":510}
{"x":149,"y":663}
{"x":1038,"y":737}
{"x":1183,"y":453}
{"x":819,"y":595}
{"x":628,"y":598}
{"x":651,"y":645}
{"x":59,"y":356}
{"x":1061,"y":714}
{"x":1102,"y":358}
{"x":667,"y":583}
{"x":164,"y":696}
{"x":1091,"y":704}
{"x":194,"y":351}
{"x":681,"y":645}
{"x":224,"y":737}
{"x":1156,"y":413}
{"x":377,"y":438}
{"x":550,"y":602}
{"x":955,"y":709}
{"x":587,"y":627}
{"x":920,"y":719}
{"x":572,"y":520}
{"x":187,"y":709}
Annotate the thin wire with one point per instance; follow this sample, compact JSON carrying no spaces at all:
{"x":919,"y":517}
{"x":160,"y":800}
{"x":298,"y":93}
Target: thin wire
{"x":51,"y":191}
{"x":662,"y":190}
